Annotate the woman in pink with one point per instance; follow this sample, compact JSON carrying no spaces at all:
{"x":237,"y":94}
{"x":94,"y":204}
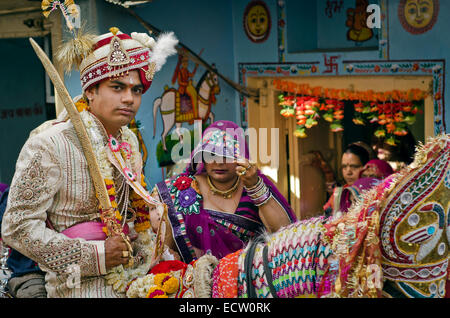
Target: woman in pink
{"x":376,"y":168}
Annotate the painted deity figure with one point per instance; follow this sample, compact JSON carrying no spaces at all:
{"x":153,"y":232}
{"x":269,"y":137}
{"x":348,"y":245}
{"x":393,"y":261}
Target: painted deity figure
{"x":357,"y":22}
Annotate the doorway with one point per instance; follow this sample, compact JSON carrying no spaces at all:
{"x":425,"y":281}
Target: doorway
{"x":298,"y":177}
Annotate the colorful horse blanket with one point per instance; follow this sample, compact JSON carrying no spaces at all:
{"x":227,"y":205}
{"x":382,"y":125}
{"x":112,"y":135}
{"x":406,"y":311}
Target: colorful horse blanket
{"x":393,"y":242}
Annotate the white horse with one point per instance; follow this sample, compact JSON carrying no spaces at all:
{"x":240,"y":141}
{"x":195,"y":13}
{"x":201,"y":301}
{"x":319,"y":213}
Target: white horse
{"x":206,"y":89}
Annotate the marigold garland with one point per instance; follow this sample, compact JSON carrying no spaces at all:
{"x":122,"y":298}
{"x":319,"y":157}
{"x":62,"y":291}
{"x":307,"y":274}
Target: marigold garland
{"x":156,"y":292}
{"x":391,"y":110}
{"x":166,"y":282}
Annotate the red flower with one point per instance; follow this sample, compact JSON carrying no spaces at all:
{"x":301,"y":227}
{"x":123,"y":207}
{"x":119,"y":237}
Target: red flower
{"x":168,"y":266}
{"x":182,"y":183}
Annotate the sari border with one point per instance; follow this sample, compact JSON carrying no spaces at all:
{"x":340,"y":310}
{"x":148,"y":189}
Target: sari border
{"x":177,"y":222}
{"x":247,"y":223}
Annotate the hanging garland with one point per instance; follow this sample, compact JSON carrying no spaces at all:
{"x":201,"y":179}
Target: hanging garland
{"x":392,"y":111}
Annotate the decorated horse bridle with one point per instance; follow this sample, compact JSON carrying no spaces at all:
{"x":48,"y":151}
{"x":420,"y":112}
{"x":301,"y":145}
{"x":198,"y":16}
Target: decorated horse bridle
{"x":211,"y":85}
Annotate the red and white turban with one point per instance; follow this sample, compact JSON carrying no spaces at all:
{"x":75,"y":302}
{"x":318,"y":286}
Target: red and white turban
{"x":114,"y":54}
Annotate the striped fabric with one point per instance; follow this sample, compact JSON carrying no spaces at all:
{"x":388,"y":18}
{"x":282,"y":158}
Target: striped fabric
{"x":297,"y":256}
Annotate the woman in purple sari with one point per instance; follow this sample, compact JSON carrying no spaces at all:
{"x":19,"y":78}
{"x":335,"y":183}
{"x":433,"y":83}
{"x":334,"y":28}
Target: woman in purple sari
{"x":222,"y":200}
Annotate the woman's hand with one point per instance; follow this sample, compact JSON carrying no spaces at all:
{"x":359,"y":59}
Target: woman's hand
{"x":248,"y":172}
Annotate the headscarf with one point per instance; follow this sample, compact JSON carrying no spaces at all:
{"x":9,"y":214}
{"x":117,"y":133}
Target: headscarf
{"x":222,"y":138}
{"x":382,"y":168}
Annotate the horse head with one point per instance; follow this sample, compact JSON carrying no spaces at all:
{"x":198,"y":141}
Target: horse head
{"x":211,"y":79}
{"x":399,"y":229}
{"x":214,"y":80}
{"x":414,"y":224}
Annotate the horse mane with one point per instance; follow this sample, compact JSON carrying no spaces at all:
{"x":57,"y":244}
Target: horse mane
{"x":202,"y":79}
{"x":203,"y":270}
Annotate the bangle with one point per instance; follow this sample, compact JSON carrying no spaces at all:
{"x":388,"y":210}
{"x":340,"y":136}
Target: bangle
{"x":261,"y":199}
{"x":264,"y":200}
{"x":256,"y":187}
{"x":259,"y":193}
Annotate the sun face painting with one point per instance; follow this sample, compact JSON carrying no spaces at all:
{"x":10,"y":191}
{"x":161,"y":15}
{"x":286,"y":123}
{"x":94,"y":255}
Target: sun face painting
{"x":418,"y":16}
{"x":257,"y":21}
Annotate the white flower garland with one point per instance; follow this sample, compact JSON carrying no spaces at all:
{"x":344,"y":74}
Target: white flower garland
{"x":119,"y":277}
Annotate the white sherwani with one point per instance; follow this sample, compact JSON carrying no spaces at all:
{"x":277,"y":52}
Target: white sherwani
{"x":52,"y":182}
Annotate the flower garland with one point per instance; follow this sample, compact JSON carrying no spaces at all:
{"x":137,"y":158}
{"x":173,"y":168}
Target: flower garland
{"x":169,"y":279}
{"x":119,"y":277}
{"x":127,"y":148}
{"x":392,"y":117}
{"x":392,"y":111}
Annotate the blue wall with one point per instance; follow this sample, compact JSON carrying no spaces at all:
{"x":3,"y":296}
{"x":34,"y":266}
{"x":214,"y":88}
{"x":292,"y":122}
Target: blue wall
{"x":217,"y":27}
{"x":199,"y":25}
{"x":22,"y":94}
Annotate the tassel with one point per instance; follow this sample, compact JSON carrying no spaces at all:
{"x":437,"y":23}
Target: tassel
{"x":73,"y":52}
{"x":45,"y":4}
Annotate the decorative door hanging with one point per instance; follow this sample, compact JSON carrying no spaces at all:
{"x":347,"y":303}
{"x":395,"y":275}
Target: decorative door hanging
{"x":392,"y":111}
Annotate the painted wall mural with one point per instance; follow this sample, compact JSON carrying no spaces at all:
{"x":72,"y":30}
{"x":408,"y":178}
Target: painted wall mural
{"x":418,"y":16}
{"x":357,"y":22}
{"x":354,"y":26}
{"x":187,"y":103}
{"x":257,"y":21}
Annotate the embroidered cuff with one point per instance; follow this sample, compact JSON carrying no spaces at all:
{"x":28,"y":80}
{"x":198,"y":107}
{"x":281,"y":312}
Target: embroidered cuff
{"x":100,"y":256}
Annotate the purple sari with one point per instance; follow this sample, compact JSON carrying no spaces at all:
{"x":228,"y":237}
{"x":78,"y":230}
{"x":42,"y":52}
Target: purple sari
{"x":355,"y":190}
{"x":196,"y":230}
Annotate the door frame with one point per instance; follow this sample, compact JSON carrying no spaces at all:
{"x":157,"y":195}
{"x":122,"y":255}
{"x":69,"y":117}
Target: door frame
{"x":264,"y":111}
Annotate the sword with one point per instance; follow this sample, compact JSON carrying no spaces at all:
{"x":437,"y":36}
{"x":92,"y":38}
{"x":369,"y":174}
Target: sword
{"x":99,"y":183}
{"x":80,"y":129}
